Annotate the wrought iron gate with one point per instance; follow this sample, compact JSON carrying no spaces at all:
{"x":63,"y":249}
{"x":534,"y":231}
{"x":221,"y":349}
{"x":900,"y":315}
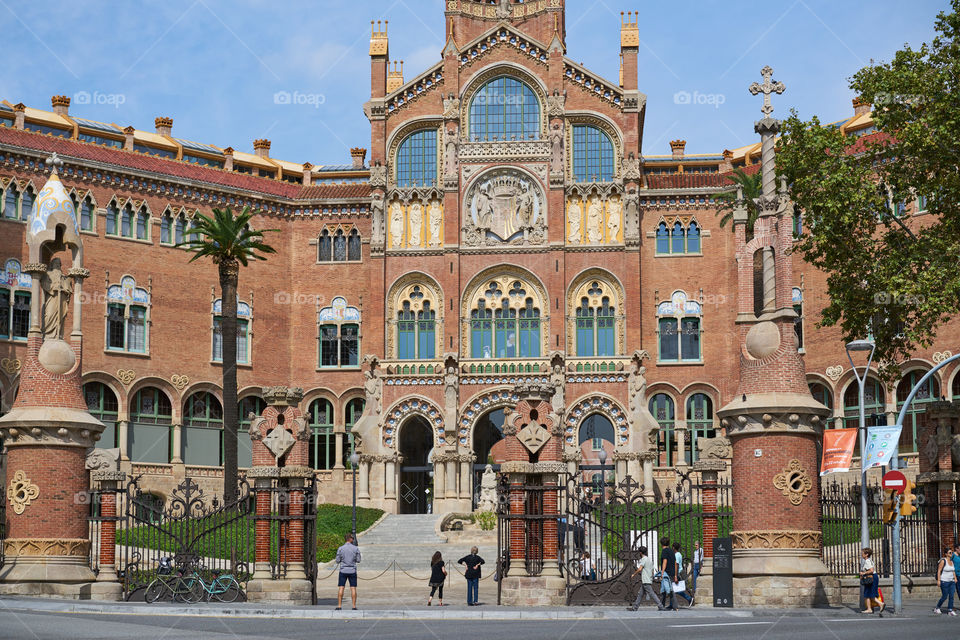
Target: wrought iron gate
{"x":3,"y":523}
{"x":310,"y":535}
{"x":196,"y":531}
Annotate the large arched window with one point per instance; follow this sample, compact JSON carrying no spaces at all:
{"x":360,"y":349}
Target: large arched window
{"x":593,"y":155}
{"x":203,"y":430}
{"x":596,"y":320}
{"x":504,"y":109}
{"x":415,"y":310}
{"x":664,"y":411}
{"x":417,"y":159}
{"x":102,"y":405}
{"x":151,"y":417}
{"x":916,"y":417}
{"x":497,"y":332}
{"x":679,"y":329}
{"x":699,"y":422}
{"x":323,"y":445}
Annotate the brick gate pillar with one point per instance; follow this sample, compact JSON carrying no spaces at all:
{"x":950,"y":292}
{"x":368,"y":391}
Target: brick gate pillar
{"x":108,"y":484}
{"x":937,"y":475}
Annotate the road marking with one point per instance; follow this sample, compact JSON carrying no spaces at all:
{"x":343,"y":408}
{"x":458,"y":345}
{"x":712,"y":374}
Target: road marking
{"x":862,"y":619}
{"x":717,"y":624}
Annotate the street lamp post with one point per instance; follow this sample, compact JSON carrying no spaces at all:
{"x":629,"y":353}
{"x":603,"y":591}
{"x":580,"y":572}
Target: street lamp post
{"x":354,"y":460}
{"x":867,"y":346}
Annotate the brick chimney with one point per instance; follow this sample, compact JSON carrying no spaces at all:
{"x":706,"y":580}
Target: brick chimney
{"x":379,"y":59}
{"x":629,"y":50}
{"x":677,"y":147}
{"x":61,"y":105}
{"x":726,"y":165}
{"x":358,"y":154}
{"x":164,"y":126}
{"x":860,"y":107}
{"x":128,"y":138}
{"x":19,"y":110}
{"x":228,"y":159}
{"x":261,"y":148}
{"x":307,"y":174}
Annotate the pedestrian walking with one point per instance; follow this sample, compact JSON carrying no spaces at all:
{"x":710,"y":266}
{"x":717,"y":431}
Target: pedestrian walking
{"x":472,"y":563}
{"x":870,"y":581}
{"x":680,"y":587}
{"x":697,"y":565}
{"x":947,"y":579}
{"x":438,"y":575}
{"x":668,"y":575}
{"x":956,"y":565}
{"x":587,"y":570}
{"x":646,"y":582}
{"x":348,"y":556}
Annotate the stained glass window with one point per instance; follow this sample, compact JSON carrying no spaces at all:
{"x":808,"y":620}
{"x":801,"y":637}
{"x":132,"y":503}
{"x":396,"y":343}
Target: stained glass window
{"x":417,"y":159}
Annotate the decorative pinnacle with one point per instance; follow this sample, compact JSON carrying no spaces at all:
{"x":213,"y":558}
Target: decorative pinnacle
{"x":767,"y":88}
{"x":54,"y":161}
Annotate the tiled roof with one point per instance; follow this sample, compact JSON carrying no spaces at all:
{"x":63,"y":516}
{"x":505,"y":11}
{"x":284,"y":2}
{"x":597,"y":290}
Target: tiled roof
{"x":861,"y":144}
{"x":684,"y":181}
{"x":351,"y":190}
{"x":143,"y":162}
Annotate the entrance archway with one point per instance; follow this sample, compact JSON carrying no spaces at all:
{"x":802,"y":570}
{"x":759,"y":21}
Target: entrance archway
{"x":487,"y":432}
{"x":596,"y":435}
{"x":416,"y":481}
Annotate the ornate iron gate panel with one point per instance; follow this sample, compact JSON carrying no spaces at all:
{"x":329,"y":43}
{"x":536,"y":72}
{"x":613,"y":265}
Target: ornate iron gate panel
{"x":310,"y":535}
{"x":3,"y":523}
{"x":196,"y":531}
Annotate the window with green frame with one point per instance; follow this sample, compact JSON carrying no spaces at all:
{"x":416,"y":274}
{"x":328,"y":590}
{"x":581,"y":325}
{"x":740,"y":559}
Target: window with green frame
{"x":14,"y":314}
{"x":916,"y":418}
{"x":664,"y":412}
{"x":112,"y":220}
{"x":505,"y":332}
{"x":151,"y":420}
{"x":248,"y":405}
{"x":84,"y":209}
{"x":821,"y":393}
{"x":102,"y":405}
{"x":504,"y":109}
{"x":699,"y":423}
{"x":417,"y":159}
{"x":323,"y":442}
{"x":595,"y":327}
{"x":202,"y":433}
{"x":416,"y":330}
{"x":353,"y":410}
{"x":679,"y":339}
{"x":11,"y":201}
{"x":339,"y":345}
{"x":678,"y":239}
{"x":874,"y":402}
{"x":592,"y":154}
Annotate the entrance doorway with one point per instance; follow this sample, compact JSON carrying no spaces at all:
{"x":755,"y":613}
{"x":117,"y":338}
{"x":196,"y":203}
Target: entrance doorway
{"x":596,"y":435}
{"x":416,"y":481}
{"x":487,"y":432}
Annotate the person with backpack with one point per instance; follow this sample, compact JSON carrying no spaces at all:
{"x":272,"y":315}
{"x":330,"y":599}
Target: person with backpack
{"x":438,"y":575}
{"x":681,"y":575}
{"x":947,"y":579}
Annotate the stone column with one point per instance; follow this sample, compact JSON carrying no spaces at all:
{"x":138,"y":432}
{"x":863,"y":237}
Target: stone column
{"x":648,"y":458}
{"x":390,"y":479}
{"x":451,"y":489}
{"x":439,"y":477}
{"x":177,"y":444}
{"x":466,"y":483}
{"x":338,"y":460}
{"x":107,"y":586}
{"x":681,"y":431}
{"x":123,"y":439}
{"x":363,"y":482}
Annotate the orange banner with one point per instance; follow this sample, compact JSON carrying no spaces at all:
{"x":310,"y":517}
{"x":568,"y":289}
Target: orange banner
{"x":838,"y":447}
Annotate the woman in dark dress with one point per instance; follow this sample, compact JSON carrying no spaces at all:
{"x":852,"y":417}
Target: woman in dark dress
{"x":438,"y":575}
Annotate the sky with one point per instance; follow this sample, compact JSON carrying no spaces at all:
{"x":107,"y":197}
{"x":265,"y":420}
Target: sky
{"x":297,"y":73}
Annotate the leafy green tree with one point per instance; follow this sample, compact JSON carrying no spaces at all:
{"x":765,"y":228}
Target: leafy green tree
{"x":889,"y":275}
{"x":229,"y":242}
{"x":750,"y":186}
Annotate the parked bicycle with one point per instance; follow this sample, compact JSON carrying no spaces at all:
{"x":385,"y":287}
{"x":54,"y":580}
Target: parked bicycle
{"x":223,"y":587}
{"x":174,"y":587}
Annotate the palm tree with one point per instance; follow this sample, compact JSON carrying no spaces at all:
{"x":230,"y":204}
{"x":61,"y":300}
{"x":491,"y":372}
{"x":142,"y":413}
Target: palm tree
{"x":228,"y":240}
{"x":750,"y":185}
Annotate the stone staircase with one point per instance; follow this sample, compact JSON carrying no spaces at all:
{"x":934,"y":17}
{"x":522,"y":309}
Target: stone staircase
{"x":410,"y":541}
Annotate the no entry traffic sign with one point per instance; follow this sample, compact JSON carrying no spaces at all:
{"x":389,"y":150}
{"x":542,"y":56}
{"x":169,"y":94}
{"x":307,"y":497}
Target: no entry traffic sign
{"x":894,"y":480}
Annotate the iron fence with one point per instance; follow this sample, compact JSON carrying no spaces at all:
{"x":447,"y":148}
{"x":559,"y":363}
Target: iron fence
{"x":3,"y":523}
{"x":919,"y":533}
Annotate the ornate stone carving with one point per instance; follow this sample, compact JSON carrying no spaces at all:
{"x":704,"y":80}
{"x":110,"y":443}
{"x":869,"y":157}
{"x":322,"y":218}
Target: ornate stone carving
{"x":556,"y":148}
{"x":793,"y":482}
{"x":555,"y":105}
{"x":378,"y":176}
{"x":834,"y":372}
{"x":718,"y":448}
{"x":631,"y":169}
{"x":940,"y":356}
{"x":396,"y":225}
{"x":378,"y":229}
{"x":435,"y":223}
{"x":369,"y":421}
{"x":103,"y":459}
{"x":614,"y":218}
{"x":512,"y":151}
{"x":57,"y":290}
{"x":126,"y":376}
{"x":21,"y":492}
{"x":786,"y":539}
{"x":451,"y":151}
{"x":488,"y":490}
{"x":11,"y":366}
{"x":558,"y":380}
{"x":533,"y":437}
{"x":631,"y":229}
{"x":62,"y":547}
{"x":451,"y":384}
{"x":574,"y":220}
{"x":416,"y":225}
{"x":451,"y":107}
{"x":179,"y":381}
{"x":594,"y":220}
{"x":644,"y":426}
{"x":503,"y":207}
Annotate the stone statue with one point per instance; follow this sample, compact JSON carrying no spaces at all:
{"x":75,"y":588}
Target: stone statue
{"x":558,"y":380}
{"x":488,"y":490}
{"x":396,"y":224}
{"x":556,"y":148}
{"x":451,"y":382}
{"x":367,"y":426}
{"x":416,"y":225}
{"x":503,"y":10}
{"x":376,"y":222}
{"x":574,"y":218}
{"x":642,"y":422}
{"x":435,"y":223}
{"x":525,"y":208}
{"x":451,"y":153}
{"x":57,"y":290}
{"x":595,"y":220}
{"x":614,"y":215}
{"x":484,"y":209}
{"x":631,"y":228}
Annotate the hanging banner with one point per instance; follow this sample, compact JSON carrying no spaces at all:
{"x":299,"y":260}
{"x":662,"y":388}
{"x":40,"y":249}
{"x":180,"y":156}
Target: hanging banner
{"x":838,"y":447}
{"x":881,"y":445}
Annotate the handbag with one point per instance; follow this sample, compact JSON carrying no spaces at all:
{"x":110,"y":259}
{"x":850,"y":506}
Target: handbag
{"x":867,"y":580}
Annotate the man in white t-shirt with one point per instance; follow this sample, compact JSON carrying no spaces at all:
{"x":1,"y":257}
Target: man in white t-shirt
{"x":646,"y":581}
{"x":697,"y":564}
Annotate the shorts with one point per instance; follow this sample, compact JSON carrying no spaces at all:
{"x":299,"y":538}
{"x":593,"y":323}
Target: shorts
{"x":345,"y":578}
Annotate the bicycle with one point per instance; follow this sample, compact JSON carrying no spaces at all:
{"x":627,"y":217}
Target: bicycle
{"x":174,"y":586}
{"x":223,"y":587}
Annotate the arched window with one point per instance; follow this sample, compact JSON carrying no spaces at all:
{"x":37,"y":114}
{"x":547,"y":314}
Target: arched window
{"x":102,"y":405}
{"x":416,"y":323}
{"x":596,"y":321}
{"x":325,"y":247}
{"x":593,"y":155}
{"x":353,"y":410}
{"x":663,"y":410}
{"x":127,"y":317}
{"x":339,"y":327}
{"x":10,"y":202}
{"x":203,"y":430}
{"x":679,"y":238}
{"x":84,"y":209}
{"x":179,"y":229}
{"x":248,"y":405}
{"x":505,"y":320}
{"x":126,"y":221}
{"x":679,"y":329}
{"x":663,"y":238}
{"x":244,"y":319}
{"x":166,"y":229}
{"x":504,"y":109}
{"x":916,"y":418}
{"x":699,"y":422}
{"x":821,"y":393}
{"x":481,"y":331}
{"x":339,"y":246}
{"x":143,"y":224}
{"x":798,"y":321}
{"x":693,"y":237}
{"x":353,"y":245}
{"x":26,"y":203}
{"x":417,"y":159}
{"x":596,"y":435}
{"x":323,"y":445}
{"x":151,"y":417}
{"x":15,"y":294}
{"x":113,"y":219}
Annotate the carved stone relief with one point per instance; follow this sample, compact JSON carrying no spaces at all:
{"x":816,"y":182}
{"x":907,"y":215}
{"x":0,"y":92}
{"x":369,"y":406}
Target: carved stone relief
{"x":505,"y":206}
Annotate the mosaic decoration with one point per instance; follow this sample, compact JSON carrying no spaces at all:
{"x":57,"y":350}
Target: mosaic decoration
{"x":127,"y":292}
{"x":400,"y":412}
{"x":479,"y":406}
{"x":243,"y":309}
{"x":13,"y":275}
{"x":601,"y":405}
{"x":678,"y":305}
{"x":339,"y":311}
{"x":21,"y":492}
{"x":52,"y":199}
{"x":797,"y":295}
{"x":793,"y":482}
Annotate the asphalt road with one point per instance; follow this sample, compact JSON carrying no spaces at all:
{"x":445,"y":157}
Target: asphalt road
{"x":34,"y":625}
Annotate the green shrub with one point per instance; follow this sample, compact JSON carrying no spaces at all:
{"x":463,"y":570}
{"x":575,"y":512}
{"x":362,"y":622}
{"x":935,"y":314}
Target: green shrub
{"x":486,"y":519}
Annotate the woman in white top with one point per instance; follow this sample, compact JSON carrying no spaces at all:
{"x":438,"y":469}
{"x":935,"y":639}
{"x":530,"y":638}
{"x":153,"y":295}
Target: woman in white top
{"x":870,"y":581}
{"x":947,"y":579}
